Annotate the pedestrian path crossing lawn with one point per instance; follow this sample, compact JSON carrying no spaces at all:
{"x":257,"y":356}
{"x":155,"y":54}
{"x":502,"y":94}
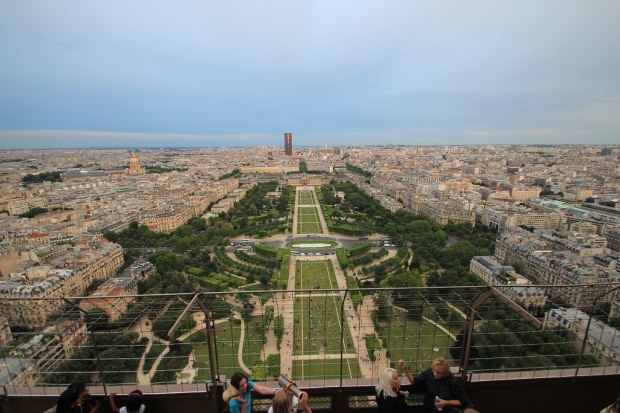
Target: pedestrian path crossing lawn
{"x":318,"y":320}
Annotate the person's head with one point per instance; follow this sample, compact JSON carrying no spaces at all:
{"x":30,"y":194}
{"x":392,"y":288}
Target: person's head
{"x":135,"y":402}
{"x":441,"y":368}
{"x":389,"y":383}
{"x":281,"y":403}
{"x":68,"y":400}
{"x":240,"y":382}
{"x":80,"y":387}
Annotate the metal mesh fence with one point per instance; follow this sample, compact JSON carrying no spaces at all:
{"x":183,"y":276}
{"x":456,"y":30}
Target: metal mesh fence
{"x":320,"y":337}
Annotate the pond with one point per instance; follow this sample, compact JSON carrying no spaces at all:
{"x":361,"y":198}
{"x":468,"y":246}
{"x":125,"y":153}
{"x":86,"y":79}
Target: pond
{"x":312,"y":245}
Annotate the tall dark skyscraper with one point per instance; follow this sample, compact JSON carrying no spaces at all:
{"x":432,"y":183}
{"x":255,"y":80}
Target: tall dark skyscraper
{"x":288,"y":143}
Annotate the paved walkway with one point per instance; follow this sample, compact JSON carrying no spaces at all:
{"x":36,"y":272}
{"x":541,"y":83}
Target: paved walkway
{"x":320,"y":212}
{"x":455,"y":308}
{"x":354,"y":323}
{"x":359,"y":320}
{"x":144,"y":329}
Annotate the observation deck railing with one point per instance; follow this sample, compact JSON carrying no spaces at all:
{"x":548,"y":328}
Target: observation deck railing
{"x":323,"y":338}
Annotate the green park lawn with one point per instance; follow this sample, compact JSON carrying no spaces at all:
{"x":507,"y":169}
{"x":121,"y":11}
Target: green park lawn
{"x":306,"y":198}
{"x":326,"y":369}
{"x":318,"y":321}
{"x":308,"y":221}
{"x":417,"y":342}
{"x":228,"y":346}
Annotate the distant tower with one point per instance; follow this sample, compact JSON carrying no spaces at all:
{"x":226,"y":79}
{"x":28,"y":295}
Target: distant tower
{"x":134,"y":165}
{"x":288,"y":144}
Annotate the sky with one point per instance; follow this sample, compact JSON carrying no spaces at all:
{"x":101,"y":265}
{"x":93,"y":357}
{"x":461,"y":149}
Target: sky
{"x":150,"y":73}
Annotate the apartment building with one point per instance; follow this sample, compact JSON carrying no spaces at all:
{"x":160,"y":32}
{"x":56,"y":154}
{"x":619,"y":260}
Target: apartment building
{"x":112,"y":297}
{"x":612,"y":235}
{"x":545,"y":260}
{"x":169,"y":220}
{"x":516,"y":287}
{"x":523,"y":193}
{"x":29,"y":300}
{"x":305,"y":180}
{"x":501,"y":217}
{"x":5,"y":331}
{"x":603,"y":340}
{"x":21,"y":206}
{"x":444,"y":212}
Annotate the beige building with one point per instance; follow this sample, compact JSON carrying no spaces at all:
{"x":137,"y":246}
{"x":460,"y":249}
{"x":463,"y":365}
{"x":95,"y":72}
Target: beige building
{"x":501,"y":217}
{"x":167,"y":221}
{"x":112,"y":297}
{"x":263,"y":170}
{"x":583,"y":228}
{"x":444,"y":212}
{"x":612,"y":235}
{"x":28,"y":301}
{"x":577,"y":194}
{"x":544,"y":261}
{"x":602,"y":340}
{"x":523,"y":193}
{"x":306,"y":180}
{"x":47,"y":350}
{"x":513,"y":285}
{"x":5,"y":331}
{"x":21,"y":206}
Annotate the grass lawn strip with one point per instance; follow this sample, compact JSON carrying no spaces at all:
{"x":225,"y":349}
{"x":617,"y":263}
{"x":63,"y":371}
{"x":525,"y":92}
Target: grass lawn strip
{"x":310,"y":307}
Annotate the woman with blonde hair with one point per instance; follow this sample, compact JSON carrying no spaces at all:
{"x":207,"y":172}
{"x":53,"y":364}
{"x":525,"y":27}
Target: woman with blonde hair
{"x":442,"y":390}
{"x":389,"y":397}
{"x":284,"y":403}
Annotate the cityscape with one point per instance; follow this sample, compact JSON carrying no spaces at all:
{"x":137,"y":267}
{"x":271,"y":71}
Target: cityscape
{"x":281,"y":239}
{"x":338,"y":197}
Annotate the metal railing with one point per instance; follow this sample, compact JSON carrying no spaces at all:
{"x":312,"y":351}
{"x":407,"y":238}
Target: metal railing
{"x":319,"y":337}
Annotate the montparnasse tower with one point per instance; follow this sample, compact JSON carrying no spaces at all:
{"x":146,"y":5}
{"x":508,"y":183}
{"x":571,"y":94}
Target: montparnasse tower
{"x":134,"y":165}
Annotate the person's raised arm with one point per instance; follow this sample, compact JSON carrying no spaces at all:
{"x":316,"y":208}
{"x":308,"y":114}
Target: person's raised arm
{"x":405,"y":368}
{"x":303,"y":403}
{"x":267,"y":391}
{"x":111,"y":397}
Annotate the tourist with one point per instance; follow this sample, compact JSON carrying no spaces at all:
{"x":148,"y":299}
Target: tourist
{"x":241,"y":402}
{"x":442,"y":390}
{"x":134,"y":403}
{"x":284,"y":403}
{"x":76,"y":399}
{"x":389,"y":397}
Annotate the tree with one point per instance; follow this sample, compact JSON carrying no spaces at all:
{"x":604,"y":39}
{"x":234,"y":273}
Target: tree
{"x":96,"y":319}
{"x":33,"y":212}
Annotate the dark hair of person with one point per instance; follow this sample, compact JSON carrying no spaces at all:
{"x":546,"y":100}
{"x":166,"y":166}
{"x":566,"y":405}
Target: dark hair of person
{"x":134,"y":402}
{"x":78,"y":387}
{"x":136,"y":392}
{"x":236,"y":379}
{"x":66,"y":400}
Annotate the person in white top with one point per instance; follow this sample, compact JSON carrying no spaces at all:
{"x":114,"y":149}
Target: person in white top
{"x":134,"y":404}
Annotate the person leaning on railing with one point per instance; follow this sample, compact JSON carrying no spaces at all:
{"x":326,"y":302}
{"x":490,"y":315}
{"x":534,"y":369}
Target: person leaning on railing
{"x":284,"y":403}
{"x":442,"y":390}
{"x":76,"y":399}
{"x":134,"y":403}
{"x":241,"y":400}
{"x":390,"y":399}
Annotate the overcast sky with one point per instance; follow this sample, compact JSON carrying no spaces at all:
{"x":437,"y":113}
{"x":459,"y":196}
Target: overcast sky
{"x":140,"y":73}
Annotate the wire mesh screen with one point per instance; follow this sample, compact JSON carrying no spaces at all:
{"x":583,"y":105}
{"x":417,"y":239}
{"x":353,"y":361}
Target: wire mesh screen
{"x":320,"y":337}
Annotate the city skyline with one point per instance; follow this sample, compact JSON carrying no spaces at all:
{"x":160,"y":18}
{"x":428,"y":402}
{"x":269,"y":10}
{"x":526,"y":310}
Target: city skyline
{"x":198,"y":74}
